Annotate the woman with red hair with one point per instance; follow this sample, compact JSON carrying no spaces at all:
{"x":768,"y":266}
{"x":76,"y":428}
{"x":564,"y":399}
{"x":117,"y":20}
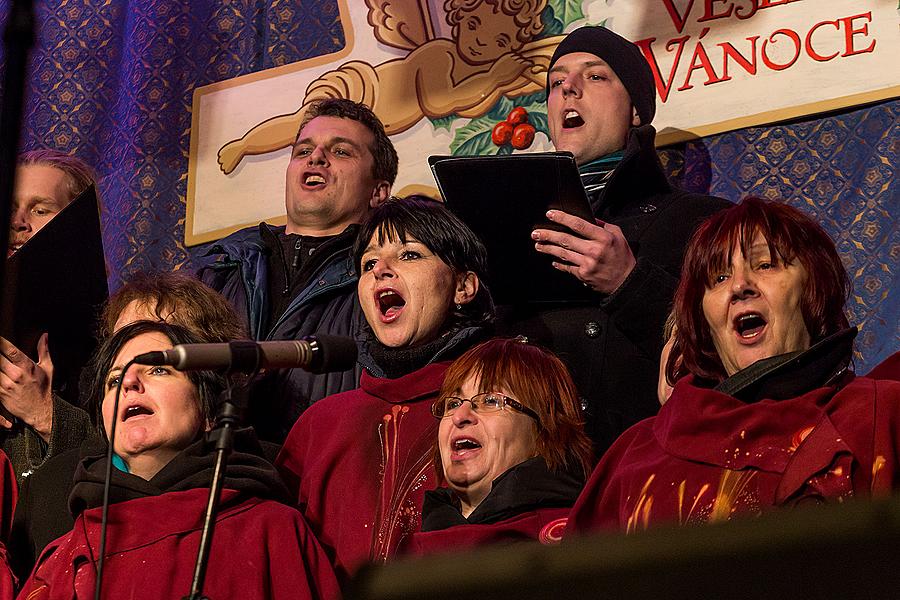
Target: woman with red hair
{"x":511,"y":449}
{"x":766,"y":410}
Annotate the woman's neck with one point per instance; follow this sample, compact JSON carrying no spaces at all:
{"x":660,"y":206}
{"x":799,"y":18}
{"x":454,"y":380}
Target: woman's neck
{"x":147,"y":464}
{"x":396,"y":362}
{"x":470,"y":501}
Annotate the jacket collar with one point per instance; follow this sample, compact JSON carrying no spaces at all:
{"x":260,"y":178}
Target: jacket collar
{"x":639,"y":175}
{"x":455,"y":344}
{"x":789,"y":375}
{"x":246,"y":249}
{"x":244,"y":242}
{"x":246,"y":472}
{"x":424,"y":383}
{"x":525,"y":487}
{"x":708,"y":425}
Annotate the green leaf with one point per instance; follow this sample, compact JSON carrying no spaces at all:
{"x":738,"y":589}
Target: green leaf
{"x":504,"y":149}
{"x":566,"y":11}
{"x":443,"y":122}
{"x":539,"y":121}
{"x":531,"y":99}
{"x":500,"y":110}
{"x":475,"y":138}
{"x":552,"y":25}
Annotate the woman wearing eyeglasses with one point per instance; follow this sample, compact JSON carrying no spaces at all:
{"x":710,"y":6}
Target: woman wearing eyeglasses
{"x":511,"y":448}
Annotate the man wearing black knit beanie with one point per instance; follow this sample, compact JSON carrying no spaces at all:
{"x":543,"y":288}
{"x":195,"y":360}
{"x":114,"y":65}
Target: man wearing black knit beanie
{"x":601,"y":98}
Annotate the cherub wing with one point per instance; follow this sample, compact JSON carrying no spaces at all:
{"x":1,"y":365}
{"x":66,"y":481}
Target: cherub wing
{"x":403,"y":24}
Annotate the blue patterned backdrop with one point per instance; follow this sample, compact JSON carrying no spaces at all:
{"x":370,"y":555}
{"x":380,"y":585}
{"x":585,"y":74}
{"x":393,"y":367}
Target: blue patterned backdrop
{"x":112,"y":82}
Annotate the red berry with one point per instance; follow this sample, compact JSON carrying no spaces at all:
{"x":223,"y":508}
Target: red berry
{"x":522,"y":136}
{"x":502,"y":133}
{"x":517,"y":116}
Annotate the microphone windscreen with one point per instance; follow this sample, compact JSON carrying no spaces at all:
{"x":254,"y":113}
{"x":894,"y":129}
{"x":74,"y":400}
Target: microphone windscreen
{"x":333,"y":353}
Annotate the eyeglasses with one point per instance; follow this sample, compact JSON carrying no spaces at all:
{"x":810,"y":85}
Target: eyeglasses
{"x":485,"y":402}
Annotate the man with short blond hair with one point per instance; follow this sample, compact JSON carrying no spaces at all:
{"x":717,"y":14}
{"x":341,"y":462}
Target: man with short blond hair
{"x":47,"y":181}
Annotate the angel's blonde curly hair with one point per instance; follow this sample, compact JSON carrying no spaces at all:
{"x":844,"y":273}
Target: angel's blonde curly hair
{"x":527,"y":14}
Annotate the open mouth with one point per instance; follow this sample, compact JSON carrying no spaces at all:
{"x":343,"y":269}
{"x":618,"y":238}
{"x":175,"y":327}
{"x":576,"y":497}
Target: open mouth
{"x":463,"y":446}
{"x":749,"y":325}
{"x":390,"y":304}
{"x":572,"y":119}
{"x":313,"y":180}
{"x":135,"y":410}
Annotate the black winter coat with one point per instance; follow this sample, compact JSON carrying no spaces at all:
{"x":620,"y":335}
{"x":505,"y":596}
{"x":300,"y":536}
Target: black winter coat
{"x":612,"y":346}
{"x":328,"y":305}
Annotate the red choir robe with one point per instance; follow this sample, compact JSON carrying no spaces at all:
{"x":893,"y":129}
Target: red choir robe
{"x":708,"y":456}
{"x":8,"y":495}
{"x":544,"y":525}
{"x":527,"y":503}
{"x":889,"y":368}
{"x":360,"y":462}
{"x":260,"y":549}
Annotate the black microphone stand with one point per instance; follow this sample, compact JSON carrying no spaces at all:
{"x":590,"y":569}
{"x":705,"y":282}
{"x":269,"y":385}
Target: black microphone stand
{"x":246,"y":359}
{"x":19,"y":38}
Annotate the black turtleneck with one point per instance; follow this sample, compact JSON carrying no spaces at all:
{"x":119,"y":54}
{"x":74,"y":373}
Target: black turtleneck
{"x":528,"y":486}
{"x":246,"y":471}
{"x":795,"y":373}
{"x":292,"y":261}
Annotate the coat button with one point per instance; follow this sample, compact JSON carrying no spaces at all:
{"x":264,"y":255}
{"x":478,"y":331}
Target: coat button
{"x":647,"y":208}
{"x":592,"y":329}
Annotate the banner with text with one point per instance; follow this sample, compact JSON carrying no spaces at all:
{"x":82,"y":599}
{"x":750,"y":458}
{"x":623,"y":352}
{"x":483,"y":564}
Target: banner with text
{"x":443,"y":74}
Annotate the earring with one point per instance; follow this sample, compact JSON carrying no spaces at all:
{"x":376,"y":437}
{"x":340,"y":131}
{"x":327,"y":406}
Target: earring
{"x":458,"y":306}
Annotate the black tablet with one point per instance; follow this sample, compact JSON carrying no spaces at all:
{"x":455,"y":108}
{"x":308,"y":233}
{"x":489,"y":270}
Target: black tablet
{"x":503,"y":199}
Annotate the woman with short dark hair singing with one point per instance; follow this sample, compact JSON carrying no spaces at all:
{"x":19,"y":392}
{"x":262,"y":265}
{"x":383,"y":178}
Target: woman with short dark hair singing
{"x":361,"y":461}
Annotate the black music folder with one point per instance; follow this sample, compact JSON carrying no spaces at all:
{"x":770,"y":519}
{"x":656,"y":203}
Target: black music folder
{"x":503,"y":199}
{"x":56,"y":283}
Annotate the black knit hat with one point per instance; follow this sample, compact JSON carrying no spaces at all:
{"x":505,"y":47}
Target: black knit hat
{"x":622,"y":56}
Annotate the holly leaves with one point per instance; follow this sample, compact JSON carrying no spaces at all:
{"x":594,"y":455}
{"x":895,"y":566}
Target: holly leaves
{"x":559,"y":14}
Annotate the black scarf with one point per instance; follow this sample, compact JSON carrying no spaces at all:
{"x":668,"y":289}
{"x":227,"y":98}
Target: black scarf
{"x":247,"y":472}
{"x":795,"y":373}
{"x":525,"y":487}
{"x":391,"y":363}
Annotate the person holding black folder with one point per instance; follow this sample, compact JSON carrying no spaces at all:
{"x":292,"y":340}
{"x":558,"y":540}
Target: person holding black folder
{"x":601,"y":101}
{"x":36,"y":421}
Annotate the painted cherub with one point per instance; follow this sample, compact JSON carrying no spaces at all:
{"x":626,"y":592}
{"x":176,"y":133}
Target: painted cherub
{"x":493,"y":52}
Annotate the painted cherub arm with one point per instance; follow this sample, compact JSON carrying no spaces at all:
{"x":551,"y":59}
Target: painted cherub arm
{"x":354,"y":80}
{"x":440,"y":95}
{"x":513,"y":75}
{"x":270,"y":135}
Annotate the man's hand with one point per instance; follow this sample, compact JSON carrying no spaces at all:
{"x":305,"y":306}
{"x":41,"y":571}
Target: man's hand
{"x":598,"y":255}
{"x":25,"y":386}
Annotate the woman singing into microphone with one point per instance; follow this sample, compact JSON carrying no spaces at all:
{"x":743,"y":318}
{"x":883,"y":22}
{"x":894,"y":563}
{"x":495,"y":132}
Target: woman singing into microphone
{"x":160,"y":485}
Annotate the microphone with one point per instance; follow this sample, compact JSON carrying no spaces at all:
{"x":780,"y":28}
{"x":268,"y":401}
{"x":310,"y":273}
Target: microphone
{"x":318,"y":354}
